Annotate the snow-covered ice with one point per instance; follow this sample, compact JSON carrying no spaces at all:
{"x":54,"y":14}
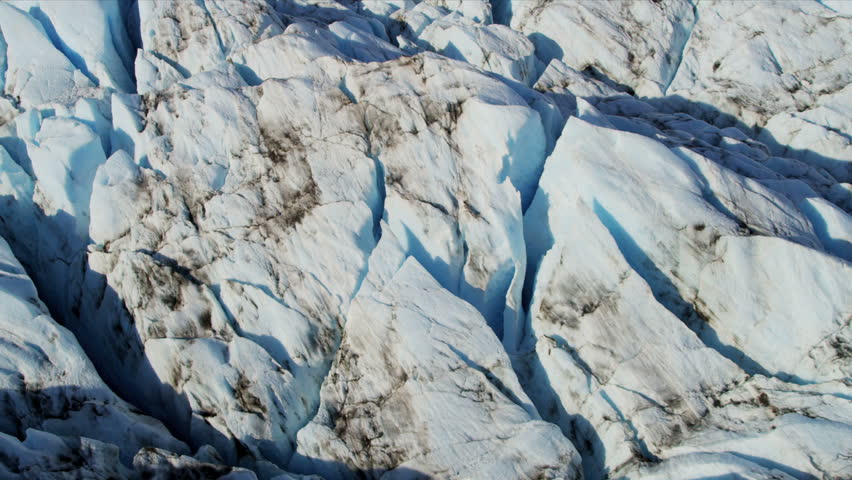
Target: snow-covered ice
{"x":420,"y":383}
{"x":276,"y":239}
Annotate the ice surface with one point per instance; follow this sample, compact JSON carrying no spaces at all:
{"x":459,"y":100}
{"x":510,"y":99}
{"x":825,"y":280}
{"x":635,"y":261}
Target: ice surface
{"x":91,"y":35}
{"x":738,"y":61}
{"x":65,"y":155}
{"x":50,"y":388}
{"x":495,"y":48}
{"x":446,"y":238}
{"x":699,"y":220}
{"x":633,"y":43}
{"x":701,"y":257}
{"x":414,"y":352}
{"x":35,"y":71}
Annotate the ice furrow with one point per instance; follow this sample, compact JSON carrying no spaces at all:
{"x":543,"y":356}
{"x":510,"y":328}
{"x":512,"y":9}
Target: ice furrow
{"x":682,"y":49}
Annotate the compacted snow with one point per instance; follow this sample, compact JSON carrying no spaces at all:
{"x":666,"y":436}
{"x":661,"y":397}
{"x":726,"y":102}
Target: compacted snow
{"x":282,"y":239}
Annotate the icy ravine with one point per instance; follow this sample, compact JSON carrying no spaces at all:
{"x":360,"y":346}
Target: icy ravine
{"x":50,"y":392}
{"x":331,"y":236}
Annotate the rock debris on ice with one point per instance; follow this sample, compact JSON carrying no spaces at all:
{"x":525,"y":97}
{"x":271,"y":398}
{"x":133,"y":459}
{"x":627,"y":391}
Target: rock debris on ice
{"x":276,"y":239}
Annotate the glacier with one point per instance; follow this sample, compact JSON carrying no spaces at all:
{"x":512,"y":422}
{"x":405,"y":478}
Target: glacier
{"x":286,"y":239}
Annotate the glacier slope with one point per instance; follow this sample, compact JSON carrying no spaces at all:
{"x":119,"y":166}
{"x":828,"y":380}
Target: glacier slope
{"x":52,"y":395}
{"x":707,"y":300}
{"x":420,"y":384}
{"x":670,"y":285}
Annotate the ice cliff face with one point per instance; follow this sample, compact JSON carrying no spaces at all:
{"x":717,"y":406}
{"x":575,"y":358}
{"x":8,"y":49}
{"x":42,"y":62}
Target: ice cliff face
{"x":444,"y":239}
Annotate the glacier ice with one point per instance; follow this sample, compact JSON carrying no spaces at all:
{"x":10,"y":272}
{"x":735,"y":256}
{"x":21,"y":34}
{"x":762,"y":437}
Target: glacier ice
{"x":613,"y":247}
{"x":414,"y":353}
{"x":36,"y":72}
{"x":280,"y":239}
{"x":51,"y":391}
{"x":638,"y":44}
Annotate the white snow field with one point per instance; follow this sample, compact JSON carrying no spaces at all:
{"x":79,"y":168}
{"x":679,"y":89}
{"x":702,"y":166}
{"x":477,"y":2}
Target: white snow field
{"x":403,"y":239}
